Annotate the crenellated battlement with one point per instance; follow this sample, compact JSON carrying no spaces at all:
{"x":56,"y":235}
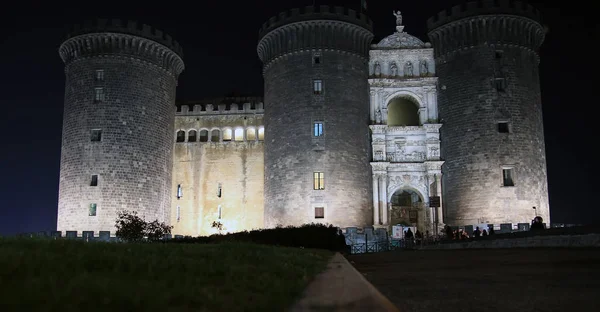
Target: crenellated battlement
{"x":315,"y":13}
{"x":487,"y":22}
{"x":322,"y":27}
{"x":224,"y":106}
{"x":484,"y":7}
{"x":103,"y":37}
{"x":126,"y":27}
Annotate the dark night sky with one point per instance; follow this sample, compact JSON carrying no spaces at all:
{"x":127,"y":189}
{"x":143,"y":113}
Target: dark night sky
{"x":219,"y":40}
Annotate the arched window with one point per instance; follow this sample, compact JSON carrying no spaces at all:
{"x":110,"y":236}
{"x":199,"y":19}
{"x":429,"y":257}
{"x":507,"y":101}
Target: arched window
{"x":203,"y":135}
{"x":239,"y":134}
{"x":250,"y":134}
{"x":215,"y":135}
{"x":180,"y":136}
{"x":261,"y":134}
{"x":227,"y":134}
{"x":192,"y":136}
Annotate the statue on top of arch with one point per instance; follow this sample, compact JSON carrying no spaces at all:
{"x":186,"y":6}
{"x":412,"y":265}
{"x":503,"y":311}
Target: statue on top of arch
{"x":398,"y":16}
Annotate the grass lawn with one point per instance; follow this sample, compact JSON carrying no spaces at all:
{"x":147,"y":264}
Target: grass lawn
{"x":64,"y":275}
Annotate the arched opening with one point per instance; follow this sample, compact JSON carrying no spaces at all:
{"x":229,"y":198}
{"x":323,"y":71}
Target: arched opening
{"x":403,"y":112}
{"x":239,"y":134}
{"x":215,"y":135}
{"x":227,"y":135}
{"x":192,"y":136}
{"x":203,"y":135}
{"x":408,"y":209}
{"x":180,"y":136}
{"x":250,"y":134}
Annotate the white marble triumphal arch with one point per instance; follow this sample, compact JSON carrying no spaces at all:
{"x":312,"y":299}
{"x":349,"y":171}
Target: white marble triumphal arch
{"x":405,"y":137}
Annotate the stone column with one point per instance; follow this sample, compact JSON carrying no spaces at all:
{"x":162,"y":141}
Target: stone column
{"x":438,"y":189}
{"x":373,"y":105}
{"x":423,"y":115}
{"x":375,"y":199}
{"x":384,"y":202}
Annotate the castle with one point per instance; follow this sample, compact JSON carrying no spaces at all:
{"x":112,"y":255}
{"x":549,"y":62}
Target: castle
{"x":349,"y":132}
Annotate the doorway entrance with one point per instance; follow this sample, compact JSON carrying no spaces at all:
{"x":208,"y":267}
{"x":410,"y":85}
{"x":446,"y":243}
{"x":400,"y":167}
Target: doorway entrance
{"x":408,"y":209}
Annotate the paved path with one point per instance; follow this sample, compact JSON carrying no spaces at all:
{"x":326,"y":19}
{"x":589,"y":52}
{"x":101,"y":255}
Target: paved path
{"x":486,"y":280}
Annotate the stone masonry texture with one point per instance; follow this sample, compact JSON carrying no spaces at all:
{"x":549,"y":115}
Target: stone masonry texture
{"x":201,"y":167}
{"x":133,"y":160}
{"x":292,"y":155}
{"x":474,"y":53}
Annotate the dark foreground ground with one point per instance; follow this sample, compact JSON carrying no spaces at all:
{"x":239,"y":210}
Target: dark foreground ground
{"x":486,"y":280}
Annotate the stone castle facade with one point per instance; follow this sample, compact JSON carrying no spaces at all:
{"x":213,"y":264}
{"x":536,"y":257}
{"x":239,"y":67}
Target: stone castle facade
{"x":348,"y":132}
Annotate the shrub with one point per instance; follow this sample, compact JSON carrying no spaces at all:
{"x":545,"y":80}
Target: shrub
{"x":132,"y":228}
{"x":316,"y":236}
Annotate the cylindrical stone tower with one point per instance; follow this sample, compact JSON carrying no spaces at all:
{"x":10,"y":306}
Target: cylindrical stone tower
{"x":119,"y":111}
{"x":316,"y":117}
{"x":492,"y":137}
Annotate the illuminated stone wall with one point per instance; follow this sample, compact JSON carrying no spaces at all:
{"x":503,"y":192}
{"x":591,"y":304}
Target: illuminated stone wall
{"x":112,"y":87}
{"x":201,"y":167}
{"x":331,"y":45}
{"x":487,"y":64}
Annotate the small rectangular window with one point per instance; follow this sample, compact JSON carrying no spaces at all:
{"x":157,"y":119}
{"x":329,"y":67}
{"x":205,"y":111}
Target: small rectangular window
{"x":94,"y":181}
{"x":98,"y":94}
{"x":178,"y":213}
{"x":179,"y":191}
{"x":92,"y":210}
{"x":219,"y":190}
{"x":316,"y":59}
{"x":317,"y":129}
{"x":499,"y":54}
{"x":500,"y":84}
{"x":96,"y":135}
{"x":317,"y":86}
{"x":319,"y":212}
{"x":99,"y":75}
{"x":318,"y":180}
{"x":507,"y":177}
{"x":503,"y":127}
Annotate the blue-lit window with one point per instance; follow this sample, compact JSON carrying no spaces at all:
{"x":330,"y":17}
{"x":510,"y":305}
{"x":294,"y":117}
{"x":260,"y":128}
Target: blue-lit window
{"x":318,"y":129}
{"x":317,"y":86}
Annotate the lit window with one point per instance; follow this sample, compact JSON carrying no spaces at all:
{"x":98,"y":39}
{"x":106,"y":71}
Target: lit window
{"x":92,"y":211}
{"x":318,"y":86}
{"x":261,"y":133}
{"x":250,"y":134}
{"x":319,"y":212}
{"x":94,"y":181}
{"x":227,"y":134}
{"x":239,"y":134}
{"x":98,"y":94}
{"x":318,"y":129}
{"x":507,"y":177}
{"x":96,"y":135}
{"x":100,"y":75}
{"x":318,"y":181}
